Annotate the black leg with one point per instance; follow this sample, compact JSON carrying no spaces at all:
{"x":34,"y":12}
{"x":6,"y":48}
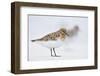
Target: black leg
{"x":51,"y":51}
{"x":54,"y":51}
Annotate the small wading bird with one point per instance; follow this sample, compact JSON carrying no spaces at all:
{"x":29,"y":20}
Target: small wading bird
{"x":56,"y":39}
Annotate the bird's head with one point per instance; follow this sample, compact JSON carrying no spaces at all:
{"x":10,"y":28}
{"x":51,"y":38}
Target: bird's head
{"x":76,"y":29}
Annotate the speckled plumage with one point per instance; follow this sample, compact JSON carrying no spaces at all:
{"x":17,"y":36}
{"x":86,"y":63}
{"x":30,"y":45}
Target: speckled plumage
{"x":60,"y":34}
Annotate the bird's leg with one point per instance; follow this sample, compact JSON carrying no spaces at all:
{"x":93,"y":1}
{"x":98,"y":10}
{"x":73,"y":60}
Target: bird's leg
{"x":51,"y":51}
{"x":54,"y":51}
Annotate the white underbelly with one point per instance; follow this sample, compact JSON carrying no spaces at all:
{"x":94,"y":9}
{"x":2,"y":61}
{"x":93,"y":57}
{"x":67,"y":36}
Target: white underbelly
{"x":51,"y":44}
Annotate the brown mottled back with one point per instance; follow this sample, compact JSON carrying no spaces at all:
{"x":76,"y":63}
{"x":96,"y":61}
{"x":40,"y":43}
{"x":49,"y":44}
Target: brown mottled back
{"x":60,"y":34}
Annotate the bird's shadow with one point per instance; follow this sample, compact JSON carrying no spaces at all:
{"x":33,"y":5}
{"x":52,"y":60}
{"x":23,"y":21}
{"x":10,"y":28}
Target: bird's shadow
{"x":56,"y":56}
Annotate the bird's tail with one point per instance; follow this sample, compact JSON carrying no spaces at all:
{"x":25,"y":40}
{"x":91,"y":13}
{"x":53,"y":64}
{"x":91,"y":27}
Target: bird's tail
{"x":36,"y":40}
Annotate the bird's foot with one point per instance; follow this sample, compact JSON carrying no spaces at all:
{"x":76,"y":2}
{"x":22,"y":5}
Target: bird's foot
{"x":56,"y":56}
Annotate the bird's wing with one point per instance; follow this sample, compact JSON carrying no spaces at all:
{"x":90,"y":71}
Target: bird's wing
{"x":50,"y":36}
